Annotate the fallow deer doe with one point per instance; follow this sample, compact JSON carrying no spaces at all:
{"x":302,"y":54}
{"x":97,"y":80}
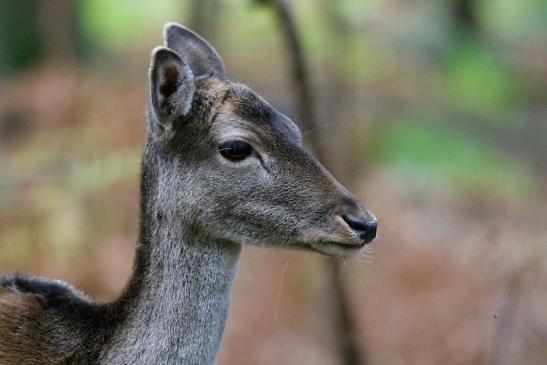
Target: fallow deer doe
{"x":221,"y":168}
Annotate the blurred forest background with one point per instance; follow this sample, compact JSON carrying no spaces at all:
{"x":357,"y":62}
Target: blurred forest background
{"x":433,"y":112}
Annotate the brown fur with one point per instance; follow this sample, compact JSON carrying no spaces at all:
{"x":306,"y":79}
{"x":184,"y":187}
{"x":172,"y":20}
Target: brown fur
{"x":23,"y":333}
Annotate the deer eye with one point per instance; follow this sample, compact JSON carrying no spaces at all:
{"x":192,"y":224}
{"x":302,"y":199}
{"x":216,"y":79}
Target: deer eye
{"x":235,"y":150}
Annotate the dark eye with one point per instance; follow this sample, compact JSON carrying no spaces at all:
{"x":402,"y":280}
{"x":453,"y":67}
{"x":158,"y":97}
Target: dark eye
{"x":235,"y":150}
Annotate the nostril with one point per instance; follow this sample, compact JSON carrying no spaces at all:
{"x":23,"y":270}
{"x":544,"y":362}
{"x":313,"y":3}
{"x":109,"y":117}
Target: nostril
{"x":365,"y":228}
{"x":370,"y":233}
{"x":357,"y":223}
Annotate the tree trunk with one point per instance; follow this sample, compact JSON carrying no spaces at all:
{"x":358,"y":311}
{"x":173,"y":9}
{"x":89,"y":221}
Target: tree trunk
{"x":343,"y":328}
{"x":203,"y":14}
{"x":464,"y":17}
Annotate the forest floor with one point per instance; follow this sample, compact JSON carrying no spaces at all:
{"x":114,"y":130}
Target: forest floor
{"x":456,"y":277}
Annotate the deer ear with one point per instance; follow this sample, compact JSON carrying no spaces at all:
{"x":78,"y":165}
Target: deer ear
{"x":171,"y":86}
{"x":194,"y":50}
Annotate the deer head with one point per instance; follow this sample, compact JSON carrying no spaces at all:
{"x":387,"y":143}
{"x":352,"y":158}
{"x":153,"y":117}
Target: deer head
{"x":225,"y":164}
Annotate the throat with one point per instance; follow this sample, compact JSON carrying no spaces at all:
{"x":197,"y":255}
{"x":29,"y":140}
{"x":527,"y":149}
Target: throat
{"x":176,"y":304}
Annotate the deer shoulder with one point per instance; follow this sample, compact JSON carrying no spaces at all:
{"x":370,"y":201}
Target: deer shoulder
{"x":36,"y":317}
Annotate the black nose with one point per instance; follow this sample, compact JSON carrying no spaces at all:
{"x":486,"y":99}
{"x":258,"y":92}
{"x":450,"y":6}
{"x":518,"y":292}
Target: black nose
{"x":366,"y":229}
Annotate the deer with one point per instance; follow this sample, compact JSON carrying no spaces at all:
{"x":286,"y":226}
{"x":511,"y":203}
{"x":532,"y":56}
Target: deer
{"x":221,"y":169}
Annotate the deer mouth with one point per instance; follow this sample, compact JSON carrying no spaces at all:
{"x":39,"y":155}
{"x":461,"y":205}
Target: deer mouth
{"x":337,"y":248}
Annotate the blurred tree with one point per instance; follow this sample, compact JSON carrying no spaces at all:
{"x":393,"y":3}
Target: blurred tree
{"x":32,"y":30}
{"x":203,"y":17}
{"x":300,"y":77}
{"x":343,"y":323}
{"x":464,"y":17}
{"x":60,"y":30}
{"x":20,"y":40}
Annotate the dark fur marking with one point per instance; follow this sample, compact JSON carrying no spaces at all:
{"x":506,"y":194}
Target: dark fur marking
{"x":170,"y":80}
{"x":51,"y":294}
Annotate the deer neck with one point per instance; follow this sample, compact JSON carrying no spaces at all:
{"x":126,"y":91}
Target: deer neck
{"x":176,"y":304}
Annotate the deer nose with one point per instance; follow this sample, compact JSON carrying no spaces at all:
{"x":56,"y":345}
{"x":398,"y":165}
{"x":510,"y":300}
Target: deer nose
{"x":366,"y":229}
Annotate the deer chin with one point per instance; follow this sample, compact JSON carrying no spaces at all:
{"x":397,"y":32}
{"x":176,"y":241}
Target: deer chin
{"x":337,"y":249}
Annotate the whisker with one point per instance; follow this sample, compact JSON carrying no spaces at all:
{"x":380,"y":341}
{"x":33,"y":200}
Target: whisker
{"x":280,"y":288}
{"x":365,"y":258}
{"x":320,"y":126}
{"x":343,"y":267}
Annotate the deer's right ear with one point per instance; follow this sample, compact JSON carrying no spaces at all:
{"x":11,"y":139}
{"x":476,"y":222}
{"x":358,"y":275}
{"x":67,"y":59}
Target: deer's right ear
{"x":171,"y":86}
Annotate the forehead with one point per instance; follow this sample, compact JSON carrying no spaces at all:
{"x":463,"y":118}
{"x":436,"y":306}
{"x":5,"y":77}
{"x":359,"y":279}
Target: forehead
{"x":242,"y":106}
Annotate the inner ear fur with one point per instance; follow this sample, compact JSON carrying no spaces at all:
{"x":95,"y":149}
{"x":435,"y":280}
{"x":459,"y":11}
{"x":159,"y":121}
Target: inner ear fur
{"x":171,"y":86}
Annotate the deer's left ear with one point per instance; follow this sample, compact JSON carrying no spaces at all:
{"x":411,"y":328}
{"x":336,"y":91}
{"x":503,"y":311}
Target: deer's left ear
{"x":194,"y":50}
{"x":171,"y":86}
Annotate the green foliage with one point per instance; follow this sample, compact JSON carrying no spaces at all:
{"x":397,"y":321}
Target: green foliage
{"x":20,"y":46}
{"x":431,"y":153}
{"x":125,"y":23}
{"x":476,"y":80}
{"x":515,"y":19}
